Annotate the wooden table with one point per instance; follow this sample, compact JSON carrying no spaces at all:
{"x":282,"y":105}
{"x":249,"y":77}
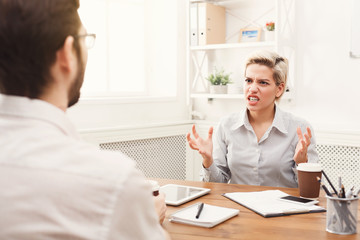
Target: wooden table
{"x":248,"y":224}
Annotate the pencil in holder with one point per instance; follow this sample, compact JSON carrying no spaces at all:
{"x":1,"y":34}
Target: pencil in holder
{"x":341,"y":216}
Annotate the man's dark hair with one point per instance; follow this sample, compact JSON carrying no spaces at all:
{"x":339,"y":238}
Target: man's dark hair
{"x":31,"y":31}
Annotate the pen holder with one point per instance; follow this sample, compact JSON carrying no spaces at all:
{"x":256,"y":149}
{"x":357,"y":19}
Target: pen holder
{"x":341,"y":216}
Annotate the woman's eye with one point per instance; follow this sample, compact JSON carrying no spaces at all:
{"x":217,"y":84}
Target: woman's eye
{"x":247,"y":80}
{"x":264,"y":83}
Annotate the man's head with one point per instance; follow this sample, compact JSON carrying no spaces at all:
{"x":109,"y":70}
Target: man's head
{"x":31,"y":34}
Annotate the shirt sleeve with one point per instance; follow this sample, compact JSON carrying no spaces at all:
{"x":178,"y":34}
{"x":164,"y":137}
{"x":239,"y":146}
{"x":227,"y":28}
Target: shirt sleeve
{"x":218,"y":171}
{"x":134,"y":214}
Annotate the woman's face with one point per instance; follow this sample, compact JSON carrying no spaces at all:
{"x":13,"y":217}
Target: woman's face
{"x":260,"y":89}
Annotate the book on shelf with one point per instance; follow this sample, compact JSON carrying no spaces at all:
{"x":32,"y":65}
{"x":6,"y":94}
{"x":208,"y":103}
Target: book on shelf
{"x":207,"y":24}
{"x":268,"y":203}
{"x":194,"y":38}
{"x":210,"y":215}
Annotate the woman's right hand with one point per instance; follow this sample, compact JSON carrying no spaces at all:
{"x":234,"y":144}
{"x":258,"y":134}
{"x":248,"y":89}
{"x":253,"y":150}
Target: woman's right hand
{"x":204,"y":147}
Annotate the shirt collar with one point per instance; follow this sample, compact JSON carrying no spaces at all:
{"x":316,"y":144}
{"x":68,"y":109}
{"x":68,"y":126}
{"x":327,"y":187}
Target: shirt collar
{"x":37,"y":109}
{"x":242,"y":120}
{"x":278,"y":121}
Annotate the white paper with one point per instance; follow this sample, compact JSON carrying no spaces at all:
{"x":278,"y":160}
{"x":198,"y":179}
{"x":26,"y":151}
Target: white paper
{"x":268,"y":203}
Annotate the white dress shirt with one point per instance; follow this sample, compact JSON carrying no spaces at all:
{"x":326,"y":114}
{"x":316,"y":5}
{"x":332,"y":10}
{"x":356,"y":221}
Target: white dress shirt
{"x":240,"y":158}
{"x":54,"y":186}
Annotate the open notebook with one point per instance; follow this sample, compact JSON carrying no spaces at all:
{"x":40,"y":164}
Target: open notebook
{"x":210,"y":216}
{"x":267,"y":203}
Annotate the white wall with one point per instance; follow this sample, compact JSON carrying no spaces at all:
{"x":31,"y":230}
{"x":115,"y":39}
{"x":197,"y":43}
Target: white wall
{"x":328,"y":80}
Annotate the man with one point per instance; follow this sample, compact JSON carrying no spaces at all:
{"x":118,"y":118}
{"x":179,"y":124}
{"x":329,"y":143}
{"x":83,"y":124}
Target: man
{"x":53,"y":186}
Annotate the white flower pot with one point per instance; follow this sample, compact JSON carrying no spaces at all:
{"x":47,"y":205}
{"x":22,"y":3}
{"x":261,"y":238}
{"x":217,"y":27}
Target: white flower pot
{"x":269,"y":36}
{"x":218,"y":89}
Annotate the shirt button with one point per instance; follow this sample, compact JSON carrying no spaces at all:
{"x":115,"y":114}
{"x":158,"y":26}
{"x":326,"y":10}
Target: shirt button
{"x":255,"y":169}
{"x":257,"y":150}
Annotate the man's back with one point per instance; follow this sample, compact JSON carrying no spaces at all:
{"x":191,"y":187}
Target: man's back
{"x":55,"y":186}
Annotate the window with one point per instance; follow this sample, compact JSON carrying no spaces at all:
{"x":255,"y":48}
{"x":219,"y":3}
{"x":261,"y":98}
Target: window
{"x":135,"y":53}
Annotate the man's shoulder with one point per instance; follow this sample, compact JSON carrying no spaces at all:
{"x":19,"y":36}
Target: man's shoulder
{"x":75,"y":157}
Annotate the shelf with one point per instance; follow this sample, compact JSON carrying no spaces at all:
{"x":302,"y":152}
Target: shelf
{"x":231,"y":4}
{"x":233,"y":45}
{"x":224,"y":96}
{"x":218,"y":2}
{"x":286,"y":96}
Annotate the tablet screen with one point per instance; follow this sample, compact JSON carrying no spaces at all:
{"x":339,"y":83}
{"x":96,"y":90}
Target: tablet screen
{"x":178,"y":194}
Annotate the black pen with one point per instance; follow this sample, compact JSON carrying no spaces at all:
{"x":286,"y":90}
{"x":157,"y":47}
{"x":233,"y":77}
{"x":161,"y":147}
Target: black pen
{"x":331,"y":185}
{"x":342,"y":191}
{"x":324,"y":187}
{"x":200,"y":208}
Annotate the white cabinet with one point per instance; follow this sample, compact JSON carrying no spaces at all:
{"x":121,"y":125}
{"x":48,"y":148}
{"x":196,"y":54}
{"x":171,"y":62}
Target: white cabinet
{"x":231,"y":55}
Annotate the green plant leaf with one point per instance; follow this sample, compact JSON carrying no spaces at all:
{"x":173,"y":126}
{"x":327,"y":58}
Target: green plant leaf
{"x":219,"y":78}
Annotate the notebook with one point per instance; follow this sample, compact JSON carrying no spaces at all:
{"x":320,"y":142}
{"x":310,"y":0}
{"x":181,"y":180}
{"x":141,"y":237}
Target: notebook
{"x":267,"y":203}
{"x":210,"y":216}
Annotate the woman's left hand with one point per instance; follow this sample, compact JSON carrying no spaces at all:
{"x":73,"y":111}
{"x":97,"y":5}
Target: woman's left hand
{"x":302,"y":146}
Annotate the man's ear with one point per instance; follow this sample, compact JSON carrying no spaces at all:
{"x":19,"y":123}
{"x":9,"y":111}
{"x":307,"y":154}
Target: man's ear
{"x":66,"y":56}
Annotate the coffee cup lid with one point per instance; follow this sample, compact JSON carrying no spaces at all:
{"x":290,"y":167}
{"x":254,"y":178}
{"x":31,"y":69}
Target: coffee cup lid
{"x":309,"y":167}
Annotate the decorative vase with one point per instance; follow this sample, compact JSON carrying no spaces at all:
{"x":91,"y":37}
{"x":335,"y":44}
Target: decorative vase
{"x":269,"y":36}
{"x":218,"y":89}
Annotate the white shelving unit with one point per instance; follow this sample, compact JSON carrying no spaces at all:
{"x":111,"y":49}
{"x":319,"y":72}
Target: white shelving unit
{"x":233,"y":46}
{"x":286,"y":96}
{"x":231,"y":54}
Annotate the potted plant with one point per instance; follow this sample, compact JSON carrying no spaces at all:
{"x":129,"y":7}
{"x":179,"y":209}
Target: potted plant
{"x":218,"y":81}
{"x":270,"y":31}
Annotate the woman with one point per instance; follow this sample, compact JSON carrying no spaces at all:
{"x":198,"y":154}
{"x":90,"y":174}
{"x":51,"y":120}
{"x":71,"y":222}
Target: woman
{"x":262,"y":145}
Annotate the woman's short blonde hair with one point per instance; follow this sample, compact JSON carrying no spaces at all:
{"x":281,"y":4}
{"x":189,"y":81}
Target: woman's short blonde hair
{"x":274,"y":61}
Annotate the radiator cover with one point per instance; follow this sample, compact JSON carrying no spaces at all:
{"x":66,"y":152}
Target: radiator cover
{"x":163,"y":157}
{"x":341,"y":161}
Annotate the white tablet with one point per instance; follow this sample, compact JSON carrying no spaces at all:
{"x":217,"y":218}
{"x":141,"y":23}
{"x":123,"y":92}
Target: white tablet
{"x":178,"y":194}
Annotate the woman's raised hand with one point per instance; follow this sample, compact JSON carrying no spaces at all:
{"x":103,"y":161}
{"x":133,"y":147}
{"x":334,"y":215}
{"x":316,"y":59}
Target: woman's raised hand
{"x":204,"y":147}
{"x":302,"y":146}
